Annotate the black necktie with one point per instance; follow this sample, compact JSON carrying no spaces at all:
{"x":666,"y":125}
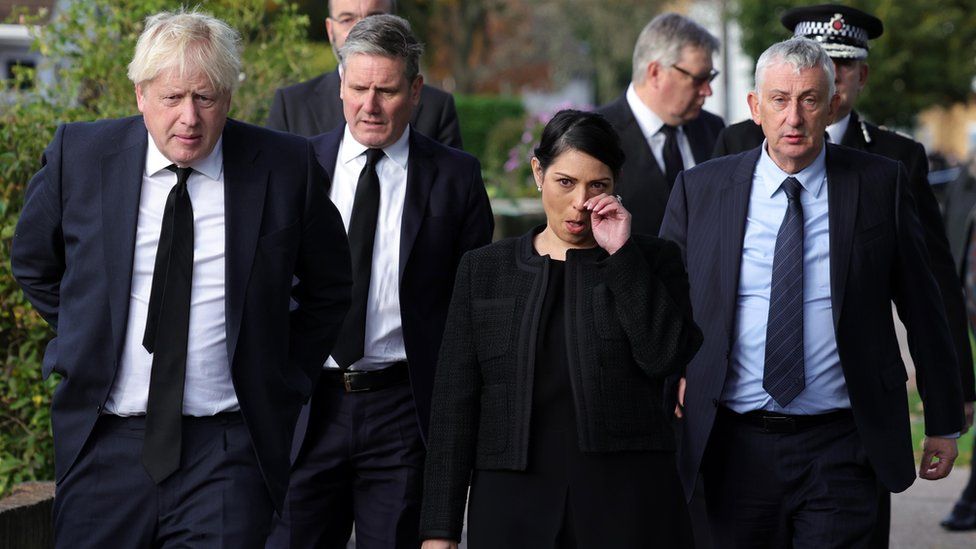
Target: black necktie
{"x":362,"y":232}
{"x":672,"y":154}
{"x":166,"y":332}
{"x":783,"y":376}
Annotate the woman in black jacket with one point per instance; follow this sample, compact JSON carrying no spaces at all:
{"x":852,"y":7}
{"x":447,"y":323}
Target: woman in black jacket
{"x":548,"y":393}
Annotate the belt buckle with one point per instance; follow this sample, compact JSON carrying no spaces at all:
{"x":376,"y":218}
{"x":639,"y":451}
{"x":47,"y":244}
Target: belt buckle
{"x":346,"y":382}
{"x":779,"y":424}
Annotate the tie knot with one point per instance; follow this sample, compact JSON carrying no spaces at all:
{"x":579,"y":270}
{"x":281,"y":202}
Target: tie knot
{"x":182,"y":174}
{"x":669,"y":130}
{"x":792,"y":187}
{"x":373,"y":156}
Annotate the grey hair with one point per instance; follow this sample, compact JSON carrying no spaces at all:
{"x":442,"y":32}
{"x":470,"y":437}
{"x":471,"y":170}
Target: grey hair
{"x":188,"y":41}
{"x":800,"y":53}
{"x":388,"y":36}
{"x":662,"y":40}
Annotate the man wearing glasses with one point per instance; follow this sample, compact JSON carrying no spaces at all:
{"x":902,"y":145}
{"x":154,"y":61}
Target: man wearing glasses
{"x":313,"y":107}
{"x":660,"y":119}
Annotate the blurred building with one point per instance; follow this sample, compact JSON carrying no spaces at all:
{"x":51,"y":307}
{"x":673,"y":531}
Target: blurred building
{"x":949,"y":130}
{"x":15,"y":37}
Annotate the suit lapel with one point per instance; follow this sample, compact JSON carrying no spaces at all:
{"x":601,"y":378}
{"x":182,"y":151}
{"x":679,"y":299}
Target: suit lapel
{"x":121,"y":180}
{"x":421,"y":174}
{"x":734,"y":206}
{"x":842,"y":186}
{"x":245,"y":184}
{"x":327,"y":106}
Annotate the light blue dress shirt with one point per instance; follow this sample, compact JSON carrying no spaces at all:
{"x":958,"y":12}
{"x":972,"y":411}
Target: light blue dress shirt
{"x":825,"y":389}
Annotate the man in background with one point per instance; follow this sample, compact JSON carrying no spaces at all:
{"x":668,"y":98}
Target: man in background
{"x":660,"y":119}
{"x":313,"y":107}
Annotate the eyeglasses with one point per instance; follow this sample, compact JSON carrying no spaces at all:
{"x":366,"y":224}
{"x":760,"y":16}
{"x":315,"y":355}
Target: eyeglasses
{"x":695,"y":79}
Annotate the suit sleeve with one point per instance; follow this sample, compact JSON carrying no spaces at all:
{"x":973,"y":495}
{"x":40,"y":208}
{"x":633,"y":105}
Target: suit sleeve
{"x":454,"y":419}
{"x":921,"y":310}
{"x":674,"y":227}
{"x":479,"y":223}
{"x":943,"y":266}
{"x":324,"y":279}
{"x":277,"y":117}
{"x":449,"y":129}
{"x":37,"y":255}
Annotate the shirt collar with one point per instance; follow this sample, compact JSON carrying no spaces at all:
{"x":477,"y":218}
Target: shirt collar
{"x":811,"y":178}
{"x":838,"y":129}
{"x":649,"y":122}
{"x":398,"y":152}
{"x":211,"y":166}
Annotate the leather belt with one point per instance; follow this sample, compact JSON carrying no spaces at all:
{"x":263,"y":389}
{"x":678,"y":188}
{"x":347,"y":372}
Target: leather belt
{"x":772,"y":422}
{"x":360,"y":381}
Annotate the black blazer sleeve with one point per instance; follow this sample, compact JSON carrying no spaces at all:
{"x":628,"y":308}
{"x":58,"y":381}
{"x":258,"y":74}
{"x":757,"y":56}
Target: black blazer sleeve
{"x":650,"y":287}
{"x":454,"y":419}
{"x":323,"y":274}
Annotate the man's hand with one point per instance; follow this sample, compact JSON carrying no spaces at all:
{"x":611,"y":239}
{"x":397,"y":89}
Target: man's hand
{"x":680,"y":406}
{"x":439,"y":544}
{"x":936,"y":447}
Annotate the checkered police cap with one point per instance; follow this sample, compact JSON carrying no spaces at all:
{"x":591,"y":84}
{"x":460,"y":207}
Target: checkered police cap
{"x":841,"y":30}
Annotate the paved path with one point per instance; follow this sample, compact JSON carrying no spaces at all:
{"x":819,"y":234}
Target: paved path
{"x":915,"y":515}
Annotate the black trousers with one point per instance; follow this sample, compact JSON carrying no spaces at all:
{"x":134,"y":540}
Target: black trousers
{"x":361,"y":463}
{"x":813,"y":488}
{"x":216,"y":499}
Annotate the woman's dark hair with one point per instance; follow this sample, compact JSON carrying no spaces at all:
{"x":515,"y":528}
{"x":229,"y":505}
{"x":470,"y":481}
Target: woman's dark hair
{"x":587,"y":132}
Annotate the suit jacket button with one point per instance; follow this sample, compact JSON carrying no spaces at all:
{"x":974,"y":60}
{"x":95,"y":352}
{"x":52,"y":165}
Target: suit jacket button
{"x":98,"y":409}
{"x":715,"y":402}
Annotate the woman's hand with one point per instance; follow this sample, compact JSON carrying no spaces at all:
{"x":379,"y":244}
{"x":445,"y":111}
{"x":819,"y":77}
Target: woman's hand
{"x":439,"y":544}
{"x":609,"y":220}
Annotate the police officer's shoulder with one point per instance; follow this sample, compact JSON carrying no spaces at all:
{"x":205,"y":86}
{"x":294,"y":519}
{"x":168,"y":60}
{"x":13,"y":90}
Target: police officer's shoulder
{"x":884,"y":138}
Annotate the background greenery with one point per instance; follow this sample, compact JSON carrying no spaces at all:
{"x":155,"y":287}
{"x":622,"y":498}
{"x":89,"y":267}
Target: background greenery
{"x":923,"y":59}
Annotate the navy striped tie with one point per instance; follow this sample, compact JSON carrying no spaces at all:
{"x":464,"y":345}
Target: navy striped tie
{"x":783,"y":373}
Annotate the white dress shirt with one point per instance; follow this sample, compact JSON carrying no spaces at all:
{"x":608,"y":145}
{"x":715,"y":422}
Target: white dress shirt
{"x":650,"y":125}
{"x":826,"y":389}
{"x":837,"y":130}
{"x":208,"y":389}
{"x":383,"y":343}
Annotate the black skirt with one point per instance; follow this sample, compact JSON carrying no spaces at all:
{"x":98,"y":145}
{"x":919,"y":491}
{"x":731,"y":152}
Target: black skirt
{"x":566,"y":498}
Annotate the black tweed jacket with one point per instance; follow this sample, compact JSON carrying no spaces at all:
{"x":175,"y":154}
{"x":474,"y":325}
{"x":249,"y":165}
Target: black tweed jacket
{"x":629,"y":325}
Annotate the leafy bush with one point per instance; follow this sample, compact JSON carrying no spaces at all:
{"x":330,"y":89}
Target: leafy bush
{"x":479,"y":114}
{"x":91,"y":44}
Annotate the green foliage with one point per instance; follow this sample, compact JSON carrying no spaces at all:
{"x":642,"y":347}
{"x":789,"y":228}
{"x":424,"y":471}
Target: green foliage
{"x":478,"y":114}
{"x":89,"y":45}
{"x":924,"y":58}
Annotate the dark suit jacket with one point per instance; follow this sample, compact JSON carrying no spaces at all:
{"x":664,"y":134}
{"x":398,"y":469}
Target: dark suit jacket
{"x":628,"y":324}
{"x":641,"y":184}
{"x":72,"y":254}
{"x":867,"y":137}
{"x":445,"y":213}
{"x":313,"y":107}
{"x":877,"y":255}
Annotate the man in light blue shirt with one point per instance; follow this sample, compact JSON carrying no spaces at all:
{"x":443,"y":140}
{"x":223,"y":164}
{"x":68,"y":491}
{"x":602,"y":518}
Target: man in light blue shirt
{"x":795,"y":412}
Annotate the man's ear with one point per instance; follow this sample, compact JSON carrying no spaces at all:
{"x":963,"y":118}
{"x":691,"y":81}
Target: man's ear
{"x":753,"y":100}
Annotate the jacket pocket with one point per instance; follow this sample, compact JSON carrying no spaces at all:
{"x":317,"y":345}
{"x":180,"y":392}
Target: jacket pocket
{"x":493,"y":322}
{"x":492,"y":425}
